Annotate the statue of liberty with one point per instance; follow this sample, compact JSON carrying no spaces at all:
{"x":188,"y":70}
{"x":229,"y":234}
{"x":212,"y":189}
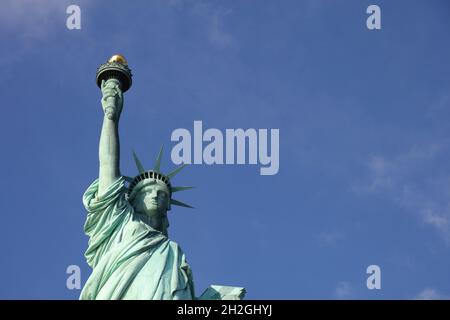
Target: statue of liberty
{"x":129,"y":249}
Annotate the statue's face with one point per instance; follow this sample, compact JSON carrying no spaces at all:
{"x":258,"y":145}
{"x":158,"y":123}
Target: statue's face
{"x":152,"y":199}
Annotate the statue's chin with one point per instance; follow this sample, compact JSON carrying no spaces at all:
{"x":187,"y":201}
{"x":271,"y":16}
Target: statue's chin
{"x":154,"y":212}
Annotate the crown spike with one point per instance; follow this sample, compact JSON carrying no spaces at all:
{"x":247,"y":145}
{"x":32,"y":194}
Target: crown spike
{"x":176,"y":189}
{"x":138,"y":163}
{"x":158,"y":160}
{"x":174,"y":172}
{"x":179,"y":203}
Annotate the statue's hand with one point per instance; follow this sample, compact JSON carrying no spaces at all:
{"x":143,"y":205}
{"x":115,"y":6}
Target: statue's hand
{"x":112,"y":99}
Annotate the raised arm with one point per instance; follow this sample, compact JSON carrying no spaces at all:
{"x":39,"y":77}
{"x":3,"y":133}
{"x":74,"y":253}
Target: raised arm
{"x":109,"y":148}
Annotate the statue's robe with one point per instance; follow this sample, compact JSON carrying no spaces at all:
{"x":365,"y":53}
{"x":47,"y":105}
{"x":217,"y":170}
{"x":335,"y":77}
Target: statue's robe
{"x":130,"y":259}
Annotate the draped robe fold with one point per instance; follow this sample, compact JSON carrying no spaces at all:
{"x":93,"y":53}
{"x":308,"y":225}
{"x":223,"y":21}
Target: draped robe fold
{"x":130,"y":259}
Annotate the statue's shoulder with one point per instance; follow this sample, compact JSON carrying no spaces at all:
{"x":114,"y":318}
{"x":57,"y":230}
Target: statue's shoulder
{"x":175,"y":246}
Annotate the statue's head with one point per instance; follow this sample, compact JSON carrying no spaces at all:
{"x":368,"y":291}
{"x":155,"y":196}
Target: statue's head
{"x":150,"y":192}
{"x":152,"y":197}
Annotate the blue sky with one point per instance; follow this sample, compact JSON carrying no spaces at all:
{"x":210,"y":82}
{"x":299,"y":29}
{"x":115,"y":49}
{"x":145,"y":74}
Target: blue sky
{"x":364,"y":140}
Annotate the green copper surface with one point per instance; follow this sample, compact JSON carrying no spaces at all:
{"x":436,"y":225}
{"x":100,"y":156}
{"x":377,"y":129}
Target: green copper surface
{"x":129,"y":250}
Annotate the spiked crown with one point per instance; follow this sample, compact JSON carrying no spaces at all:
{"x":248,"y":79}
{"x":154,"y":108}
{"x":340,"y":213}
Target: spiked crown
{"x":155,"y":174}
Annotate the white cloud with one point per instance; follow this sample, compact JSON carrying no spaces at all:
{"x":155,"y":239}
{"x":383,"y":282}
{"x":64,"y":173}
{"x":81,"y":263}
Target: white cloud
{"x":410,"y":180}
{"x":213,"y":18}
{"x":430,"y":294}
{"x":31,"y":19}
{"x":330,"y":239}
{"x":380,"y":169}
{"x":217,"y":33}
{"x":343,"y":290}
{"x":439,"y":218}
{"x":27,"y":21}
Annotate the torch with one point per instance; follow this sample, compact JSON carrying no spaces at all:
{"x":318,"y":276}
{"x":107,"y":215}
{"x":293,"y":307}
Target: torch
{"x":116,"y":68}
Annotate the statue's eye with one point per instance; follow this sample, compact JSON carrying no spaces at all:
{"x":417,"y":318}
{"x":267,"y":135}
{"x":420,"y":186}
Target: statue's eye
{"x":161,"y":193}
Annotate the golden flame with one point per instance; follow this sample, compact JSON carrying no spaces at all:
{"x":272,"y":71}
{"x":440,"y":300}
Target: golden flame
{"x":119,"y":59}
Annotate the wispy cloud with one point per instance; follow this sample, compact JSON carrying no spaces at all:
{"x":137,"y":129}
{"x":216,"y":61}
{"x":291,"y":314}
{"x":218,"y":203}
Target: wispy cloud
{"x":330,"y":239}
{"x":343,"y":290}
{"x":213,"y":18}
{"x":381,"y":173}
{"x":430,"y":294}
{"x":31,"y":19}
{"x":23,"y":23}
{"x":410,"y":179}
